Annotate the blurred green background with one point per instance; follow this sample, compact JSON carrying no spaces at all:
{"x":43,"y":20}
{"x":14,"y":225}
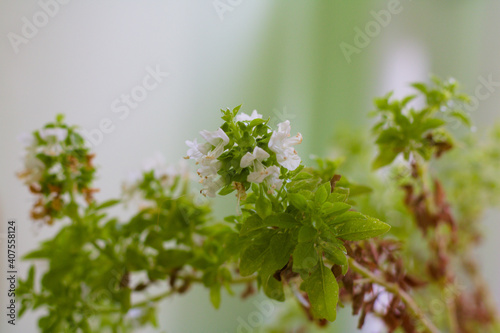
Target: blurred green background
{"x":287,"y":59}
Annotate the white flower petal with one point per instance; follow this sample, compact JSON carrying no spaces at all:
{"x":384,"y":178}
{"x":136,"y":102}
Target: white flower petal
{"x":211,"y":186}
{"x":289,"y":159}
{"x":245,"y":117}
{"x":214,"y":138}
{"x":247,"y":160}
{"x":273,"y":181}
{"x":257,"y":176}
{"x":258,"y":154}
{"x":281,"y":143}
{"x":196,"y":150}
{"x":59,"y":133}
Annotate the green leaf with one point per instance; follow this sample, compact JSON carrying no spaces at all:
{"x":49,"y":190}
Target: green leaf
{"x":420,"y":87}
{"x":256,"y":122}
{"x":303,"y":175}
{"x":323,"y":292}
{"x":38,"y":254}
{"x":263,"y":206}
{"x":388,"y":136}
{"x":432,"y":123}
{"x":227,"y":190}
{"x":273,"y":288}
{"x":322,"y":193}
{"x":215,"y":295}
{"x":173,"y":258}
{"x":356,"y":226}
{"x":282,"y":220}
{"x":107,"y":204}
{"x":281,"y":247}
{"x":252,"y":223}
{"x":298,"y":201}
{"x":124,"y":296}
{"x":305,"y":256}
{"x":307,"y":234}
{"x":334,"y":209}
{"x":463,"y":117}
{"x":252,"y":258}
{"x":385,"y":157}
{"x":334,"y":254}
{"x":135,"y":259}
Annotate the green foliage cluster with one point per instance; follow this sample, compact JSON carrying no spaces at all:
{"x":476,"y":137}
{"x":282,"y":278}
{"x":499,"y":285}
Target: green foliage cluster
{"x":174,"y":242}
{"x":58,"y":167}
{"x":294,"y":231}
{"x":405,"y":128}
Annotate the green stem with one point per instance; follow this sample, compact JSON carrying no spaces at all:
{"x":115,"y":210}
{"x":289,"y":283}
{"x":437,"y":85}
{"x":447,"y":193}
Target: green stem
{"x":239,"y":280}
{"x":170,"y":292}
{"x":396,"y":290}
{"x":141,"y":304}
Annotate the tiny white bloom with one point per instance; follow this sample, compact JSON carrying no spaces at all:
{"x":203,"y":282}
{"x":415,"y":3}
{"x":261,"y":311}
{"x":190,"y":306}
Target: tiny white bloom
{"x":282,"y":144}
{"x":211,"y":186}
{"x":273,"y":181}
{"x":57,"y":171}
{"x":209,"y":167}
{"x":197,"y":150}
{"x":207,"y":157}
{"x":244,"y":117}
{"x":214,"y":138}
{"x":258,"y":154}
{"x":33,"y":169}
{"x":261,"y":173}
{"x":59,"y":133}
{"x":53,"y":149}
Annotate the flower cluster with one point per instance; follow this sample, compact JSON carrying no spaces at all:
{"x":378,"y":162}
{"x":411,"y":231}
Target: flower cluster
{"x":57,"y":164}
{"x":155,"y":181}
{"x":242,"y":151}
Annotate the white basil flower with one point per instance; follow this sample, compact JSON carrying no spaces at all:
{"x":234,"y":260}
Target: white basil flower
{"x":52,"y":149}
{"x":57,"y":171}
{"x":273,"y":181}
{"x":215,"y":138}
{"x":60,"y":134}
{"x":258,"y":154}
{"x":244,"y":117}
{"x":209,"y":168}
{"x":33,"y":169}
{"x":196,"y":150}
{"x":211,"y":186}
{"x":268,"y":174}
{"x":282,"y":144}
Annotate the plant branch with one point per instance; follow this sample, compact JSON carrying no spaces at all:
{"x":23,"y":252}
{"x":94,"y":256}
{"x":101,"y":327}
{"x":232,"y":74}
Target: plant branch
{"x":170,"y":292}
{"x":396,"y":290}
{"x":239,"y":280}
